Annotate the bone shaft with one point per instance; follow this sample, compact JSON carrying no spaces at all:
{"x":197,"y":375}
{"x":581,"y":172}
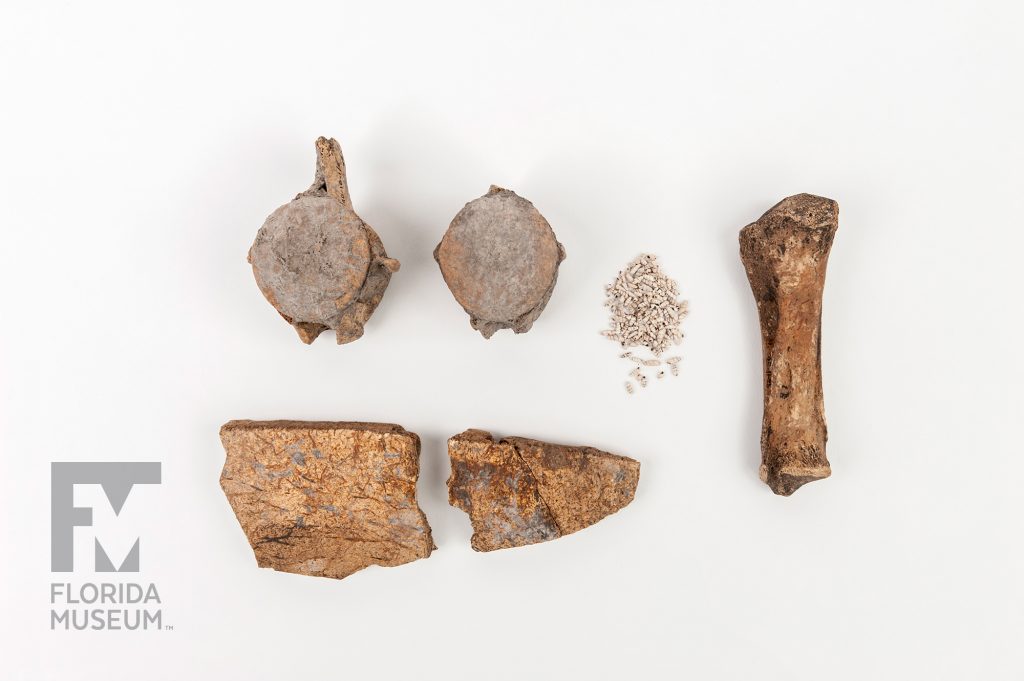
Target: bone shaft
{"x":785,"y":254}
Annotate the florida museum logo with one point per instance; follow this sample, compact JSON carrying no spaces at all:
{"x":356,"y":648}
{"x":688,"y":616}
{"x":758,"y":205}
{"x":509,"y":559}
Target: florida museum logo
{"x":99,"y":604}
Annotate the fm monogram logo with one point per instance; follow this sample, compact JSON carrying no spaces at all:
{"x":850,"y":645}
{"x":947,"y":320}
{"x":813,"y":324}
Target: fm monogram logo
{"x":117,"y":480}
{"x":99,"y":606}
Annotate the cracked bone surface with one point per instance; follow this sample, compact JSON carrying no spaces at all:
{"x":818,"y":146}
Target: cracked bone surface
{"x":317,"y":262}
{"x":518,"y":491}
{"x":785,"y":254}
{"x":325,"y":498}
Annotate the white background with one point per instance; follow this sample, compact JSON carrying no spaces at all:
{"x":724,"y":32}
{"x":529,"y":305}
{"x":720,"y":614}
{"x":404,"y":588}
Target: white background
{"x":143,"y":146}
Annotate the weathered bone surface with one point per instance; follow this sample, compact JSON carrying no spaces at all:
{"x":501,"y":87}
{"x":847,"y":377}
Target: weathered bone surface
{"x":785,"y":254}
{"x":500,"y":259}
{"x":317,"y":262}
{"x":519,"y":491}
{"x":325,"y":498}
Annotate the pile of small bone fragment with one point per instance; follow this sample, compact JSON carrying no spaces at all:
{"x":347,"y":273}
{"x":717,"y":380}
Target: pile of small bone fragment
{"x":645,"y":312}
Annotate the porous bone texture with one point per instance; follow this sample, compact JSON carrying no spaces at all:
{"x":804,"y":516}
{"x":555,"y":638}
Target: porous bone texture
{"x":519,"y":491}
{"x":310,"y":259}
{"x":325,"y":498}
{"x":500,"y":259}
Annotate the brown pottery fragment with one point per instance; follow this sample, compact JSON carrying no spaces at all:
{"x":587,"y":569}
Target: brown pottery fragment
{"x":325,"y":498}
{"x":519,"y":491}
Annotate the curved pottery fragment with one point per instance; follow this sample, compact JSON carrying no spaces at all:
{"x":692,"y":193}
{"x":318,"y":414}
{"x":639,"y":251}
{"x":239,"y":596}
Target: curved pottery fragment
{"x":500,"y":260}
{"x":519,"y":491}
{"x":317,"y":262}
{"x":325,"y":498}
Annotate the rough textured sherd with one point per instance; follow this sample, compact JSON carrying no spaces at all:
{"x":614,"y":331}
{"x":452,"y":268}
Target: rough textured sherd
{"x":325,"y":498}
{"x":317,"y":262}
{"x":519,"y":491}
{"x":785,"y":254}
{"x":500,"y":260}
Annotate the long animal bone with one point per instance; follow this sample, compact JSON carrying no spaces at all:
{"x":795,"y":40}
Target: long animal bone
{"x":785,"y":254}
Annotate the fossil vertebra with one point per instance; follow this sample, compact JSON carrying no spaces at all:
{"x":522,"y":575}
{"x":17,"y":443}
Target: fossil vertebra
{"x":317,"y":262}
{"x":500,"y":260}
